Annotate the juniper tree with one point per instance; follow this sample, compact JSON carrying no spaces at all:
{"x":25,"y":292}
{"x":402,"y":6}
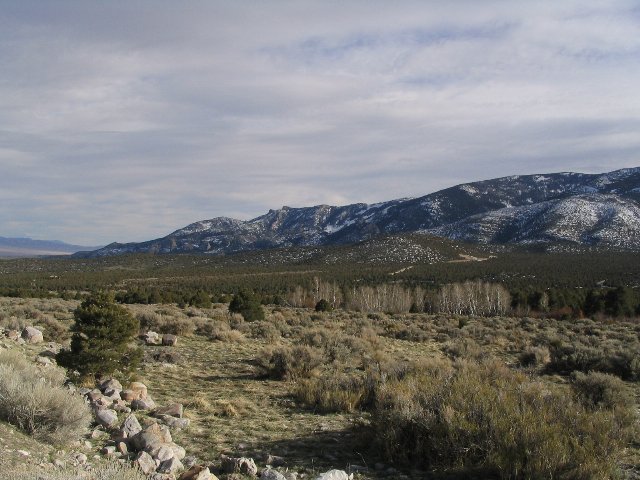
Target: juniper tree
{"x":102,"y":338}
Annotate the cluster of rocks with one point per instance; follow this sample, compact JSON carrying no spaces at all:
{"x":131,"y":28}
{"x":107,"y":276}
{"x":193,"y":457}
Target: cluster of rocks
{"x":154,"y":338}
{"x":27,"y":335}
{"x":150,"y":447}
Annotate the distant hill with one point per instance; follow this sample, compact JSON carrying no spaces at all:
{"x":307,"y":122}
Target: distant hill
{"x":569,"y":208}
{"x":27,"y":247}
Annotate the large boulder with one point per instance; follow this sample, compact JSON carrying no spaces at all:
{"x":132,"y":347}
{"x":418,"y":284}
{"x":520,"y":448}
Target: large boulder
{"x":145,"y":463}
{"x":151,"y":436}
{"x":170,"y":466}
{"x":110,"y":384}
{"x":130,"y":427}
{"x":334,"y":475}
{"x":32,"y":335}
{"x":106,"y":418}
{"x":173,"y":422}
{"x":143,"y":404}
{"x":242,"y":465}
{"x":174,"y":410}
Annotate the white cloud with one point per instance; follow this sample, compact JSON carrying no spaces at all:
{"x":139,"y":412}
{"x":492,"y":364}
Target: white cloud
{"x":126,"y":121}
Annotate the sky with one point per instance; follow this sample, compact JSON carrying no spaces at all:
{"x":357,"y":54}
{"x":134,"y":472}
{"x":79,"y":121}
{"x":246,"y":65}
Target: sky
{"x":126,"y":120}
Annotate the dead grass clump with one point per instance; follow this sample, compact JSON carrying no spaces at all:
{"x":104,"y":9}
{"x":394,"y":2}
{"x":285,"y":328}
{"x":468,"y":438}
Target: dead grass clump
{"x":109,"y":471}
{"x":535,"y":357}
{"x":483,"y":415}
{"x":600,"y":390}
{"x":289,"y":363}
{"x":339,"y":392}
{"x":35,"y":400}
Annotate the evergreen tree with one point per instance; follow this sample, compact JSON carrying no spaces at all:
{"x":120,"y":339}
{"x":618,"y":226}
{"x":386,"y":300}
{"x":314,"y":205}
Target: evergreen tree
{"x":247,"y":305}
{"x":102,"y":336}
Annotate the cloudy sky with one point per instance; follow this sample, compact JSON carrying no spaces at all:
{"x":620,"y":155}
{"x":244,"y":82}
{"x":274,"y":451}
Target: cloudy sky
{"x":125,"y":120}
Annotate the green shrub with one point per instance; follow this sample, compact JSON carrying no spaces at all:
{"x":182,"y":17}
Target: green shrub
{"x":323,"y":306}
{"x":36,"y":401}
{"x":601,"y":390}
{"x":483,"y":416}
{"x":102,"y":337}
{"x":247,"y":305}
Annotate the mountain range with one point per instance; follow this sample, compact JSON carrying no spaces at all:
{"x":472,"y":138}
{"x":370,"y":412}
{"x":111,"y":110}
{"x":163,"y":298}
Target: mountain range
{"x":27,"y":247}
{"x":561,"y":208}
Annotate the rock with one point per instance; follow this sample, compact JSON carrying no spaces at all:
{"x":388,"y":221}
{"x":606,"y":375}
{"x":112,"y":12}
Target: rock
{"x":32,"y":335}
{"x":143,"y":404}
{"x":102,"y":402}
{"x":178,"y":451}
{"x":274,"y":461}
{"x":270,"y":474}
{"x":239,"y":465}
{"x":160,"y":452}
{"x":169,"y":340}
{"x":139,"y":388}
{"x":112,"y":394}
{"x":334,"y":475}
{"x":151,"y":436}
{"x":145,"y":463}
{"x":129,"y":395}
{"x":152,"y":338}
{"x":106,"y":418}
{"x":190,"y":461}
{"x":108,"y":450}
{"x":122,"y":448}
{"x":170,"y":466}
{"x":174,"y":410}
{"x":110,"y":384}
{"x":173,"y":422}
{"x":291,"y":476}
{"x":198,"y":472}
{"x":59,"y":463}
{"x":130,"y":426}
{"x":80,"y":458}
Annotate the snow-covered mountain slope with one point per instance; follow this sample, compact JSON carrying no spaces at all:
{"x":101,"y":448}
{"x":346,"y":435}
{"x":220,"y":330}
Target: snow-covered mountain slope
{"x":588,"y":219}
{"x":516,"y":209}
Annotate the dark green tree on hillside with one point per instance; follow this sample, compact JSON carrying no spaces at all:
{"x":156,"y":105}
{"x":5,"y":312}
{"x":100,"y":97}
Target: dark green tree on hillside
{"x":102,"y":339}
{"x":247,"y":305}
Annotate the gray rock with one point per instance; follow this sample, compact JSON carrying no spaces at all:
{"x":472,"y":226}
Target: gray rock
{"x":170,"y":466}
{"x":190,"y":461}
{"x":169,"y":340}
{"x":130,"y":426}
{"x":174,"y":423}
{"x":174,"y":410}
{"x":143,"y":404}
{"x":242,"y":465}
{"x":334,"y":475}
{"x":145,"y":463}
{"x":160,"y":452}
{"x":110,"y":384}
{"x":270,"y":474}
{"x":106,"y":418}
{"x":32,"y":335}
{"x":151,"y":436}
